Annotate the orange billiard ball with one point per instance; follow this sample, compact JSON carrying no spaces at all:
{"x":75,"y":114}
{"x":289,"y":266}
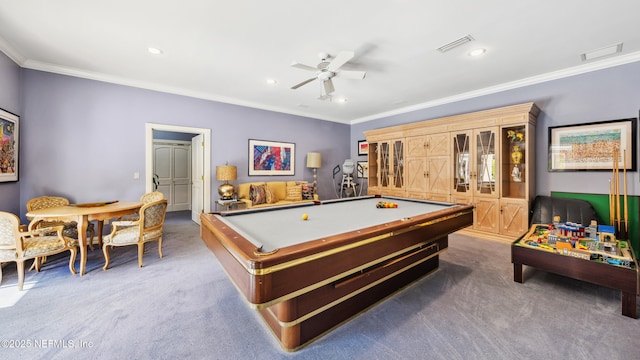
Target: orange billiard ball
{"x":305,"y":216}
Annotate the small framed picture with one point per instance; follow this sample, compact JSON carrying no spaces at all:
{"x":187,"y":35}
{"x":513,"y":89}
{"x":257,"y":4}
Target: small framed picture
{"x":363,"y":169}
{"x":363,"y":147}
{"x":9,"y":147}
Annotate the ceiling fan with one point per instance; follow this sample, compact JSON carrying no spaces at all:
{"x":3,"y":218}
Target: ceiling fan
{"x":327,"y":69}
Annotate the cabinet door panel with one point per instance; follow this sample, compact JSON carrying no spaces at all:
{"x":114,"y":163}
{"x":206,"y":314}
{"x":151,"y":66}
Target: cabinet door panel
{"x":416,"y":175}
{"x":514,"y":218}
{"x":487,"y":215}
{"x":416,"y":146}
{"x":438,"y":175}
{"x":438,"y":144}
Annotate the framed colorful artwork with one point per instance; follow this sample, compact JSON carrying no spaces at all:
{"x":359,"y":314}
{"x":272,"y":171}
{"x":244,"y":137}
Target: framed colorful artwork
{"x":271,"y":158}
{"x":9,"y":146}
{"x":593,"y":146}
{"x":363,"y":147}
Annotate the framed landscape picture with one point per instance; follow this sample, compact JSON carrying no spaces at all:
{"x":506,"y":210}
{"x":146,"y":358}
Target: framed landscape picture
{"x":271,"y":158}
{"x":593,"y":146}
{"x":9,"y":146}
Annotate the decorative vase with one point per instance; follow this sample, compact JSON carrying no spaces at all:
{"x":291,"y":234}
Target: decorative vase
{"x":516,"y":155}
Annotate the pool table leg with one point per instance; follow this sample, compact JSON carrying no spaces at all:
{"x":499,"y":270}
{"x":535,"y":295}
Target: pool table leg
{"x":517,"y":272}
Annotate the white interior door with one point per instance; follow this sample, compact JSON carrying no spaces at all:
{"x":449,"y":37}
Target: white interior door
{"x":181,"y":177}
{"x":197,"y":177}
{"x":172,"y":165}
{"x":162,"y":169}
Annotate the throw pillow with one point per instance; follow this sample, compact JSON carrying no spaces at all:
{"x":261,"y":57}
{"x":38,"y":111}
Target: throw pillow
{"x":270,"y":199}
{"x":307,"y":191}
{"x":258,"y":194}
{"x":294,"y":193}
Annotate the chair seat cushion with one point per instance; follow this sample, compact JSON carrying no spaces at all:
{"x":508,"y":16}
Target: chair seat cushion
{"x":37,"y":246}
{"x":130,"y":235}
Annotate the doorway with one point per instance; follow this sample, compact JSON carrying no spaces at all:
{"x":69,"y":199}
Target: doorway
{"x":200,"y":184}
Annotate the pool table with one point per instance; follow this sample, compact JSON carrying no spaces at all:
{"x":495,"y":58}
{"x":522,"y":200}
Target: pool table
{"x":307,"y":276}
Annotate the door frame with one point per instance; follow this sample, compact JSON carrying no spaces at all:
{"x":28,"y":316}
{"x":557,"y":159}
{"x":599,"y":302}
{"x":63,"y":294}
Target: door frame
{"x":206,"y":134}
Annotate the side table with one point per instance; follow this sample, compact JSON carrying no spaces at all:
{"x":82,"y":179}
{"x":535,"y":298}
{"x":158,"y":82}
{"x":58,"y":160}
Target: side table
{"x":227,"y":205}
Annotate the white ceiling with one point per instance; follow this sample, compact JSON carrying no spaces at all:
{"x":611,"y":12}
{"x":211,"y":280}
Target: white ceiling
{"x":226,"y":50}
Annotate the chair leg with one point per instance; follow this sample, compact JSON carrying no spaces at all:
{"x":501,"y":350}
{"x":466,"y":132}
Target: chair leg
{"x":20,"y":265}
{"x":72,"y":260}
{"x":37,"y":263}
{"x":140,"y":253}
{"x":0,"y":273}
{"x":105,"y":250}
{"x":160,"y":247}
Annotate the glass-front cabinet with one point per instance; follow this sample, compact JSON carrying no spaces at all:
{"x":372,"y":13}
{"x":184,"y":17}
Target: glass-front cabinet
{"x":514,"y":162}
{"x":485,"y":158}
{"x":474,"y":164}
{"x":386,"y":169}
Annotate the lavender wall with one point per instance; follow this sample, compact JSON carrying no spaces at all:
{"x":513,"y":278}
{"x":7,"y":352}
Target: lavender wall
{"x":10,"y":101}
{"x":84,"y":139}
{"x":608,"y":94}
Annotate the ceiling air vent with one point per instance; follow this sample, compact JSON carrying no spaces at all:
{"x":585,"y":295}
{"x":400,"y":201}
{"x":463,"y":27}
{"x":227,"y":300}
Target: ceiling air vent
{"x":602,"y":52}
{"x":455,"y":43}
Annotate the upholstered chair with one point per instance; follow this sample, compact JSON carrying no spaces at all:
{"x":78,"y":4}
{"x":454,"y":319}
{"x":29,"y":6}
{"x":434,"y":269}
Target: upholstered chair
{"x":148,"y":227}
{"x":70,"y":228}
{"x":20,"y":246}
{"x":145,"y":199}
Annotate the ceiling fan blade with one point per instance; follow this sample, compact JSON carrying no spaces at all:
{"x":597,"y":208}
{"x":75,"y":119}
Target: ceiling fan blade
{"x":303,"y":83}
{"x":348,"y":74}
{"x":340,"y":60}
{"x":303,"y":66}
{"x":328,"y":86}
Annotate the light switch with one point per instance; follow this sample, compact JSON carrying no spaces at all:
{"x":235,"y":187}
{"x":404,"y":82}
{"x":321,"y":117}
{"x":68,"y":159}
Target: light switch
{"x":136,"y":175}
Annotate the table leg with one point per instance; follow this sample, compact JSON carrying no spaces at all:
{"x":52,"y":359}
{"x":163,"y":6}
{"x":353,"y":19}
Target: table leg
{"x":629,"y":304}
{"x":517,"y":272}
{"x":82,"y":242}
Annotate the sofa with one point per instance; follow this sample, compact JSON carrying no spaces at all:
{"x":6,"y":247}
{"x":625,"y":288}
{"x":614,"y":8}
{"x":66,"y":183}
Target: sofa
{"x":274,"y":193}
{"x":569,"y":210}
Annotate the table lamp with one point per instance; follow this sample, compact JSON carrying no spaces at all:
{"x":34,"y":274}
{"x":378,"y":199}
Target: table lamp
{"x":226,"y":173}
{"x":314,"y":161}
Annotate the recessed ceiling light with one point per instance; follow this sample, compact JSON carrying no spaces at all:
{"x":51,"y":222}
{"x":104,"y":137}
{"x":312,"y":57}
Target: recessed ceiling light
{"x":271,"y":81}
{"x":477,"y":52}
{"x":154,"y":51}
{"x":342,"y":100}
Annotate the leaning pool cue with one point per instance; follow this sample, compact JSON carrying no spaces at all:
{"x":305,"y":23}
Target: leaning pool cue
{"x":617,"y":171}
{"x":626,"y":204}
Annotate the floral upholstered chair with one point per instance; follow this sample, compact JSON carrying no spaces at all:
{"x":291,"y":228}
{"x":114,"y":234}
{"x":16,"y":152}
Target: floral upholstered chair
{"x":20,"y":246}
{"x":145,"y":199}
{"x":147,"y":228}
{"x":70,"y":228}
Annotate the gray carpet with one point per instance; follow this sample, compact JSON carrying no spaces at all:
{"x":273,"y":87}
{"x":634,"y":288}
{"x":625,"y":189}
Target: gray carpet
{"x":183,"y":306}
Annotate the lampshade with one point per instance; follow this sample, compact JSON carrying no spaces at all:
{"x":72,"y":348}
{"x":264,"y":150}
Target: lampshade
{"x":314,"y":160}
{"x":226,"y":172}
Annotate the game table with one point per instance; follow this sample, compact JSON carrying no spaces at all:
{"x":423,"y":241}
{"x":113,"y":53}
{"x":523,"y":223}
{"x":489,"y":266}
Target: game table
{"x":307,"y":276}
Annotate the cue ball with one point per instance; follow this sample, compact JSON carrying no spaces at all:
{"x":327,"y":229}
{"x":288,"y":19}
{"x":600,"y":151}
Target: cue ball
{"x":305,"y":216}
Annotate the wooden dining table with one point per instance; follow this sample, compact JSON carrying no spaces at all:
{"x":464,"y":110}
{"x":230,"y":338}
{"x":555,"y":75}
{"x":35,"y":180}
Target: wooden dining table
{"x":83,"y":214}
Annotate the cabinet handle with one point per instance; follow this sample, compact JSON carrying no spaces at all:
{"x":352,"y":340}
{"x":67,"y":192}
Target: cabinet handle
{"x":426,"y":174}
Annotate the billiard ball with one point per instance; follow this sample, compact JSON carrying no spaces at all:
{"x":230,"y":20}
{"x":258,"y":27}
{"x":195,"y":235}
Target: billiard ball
{"x":305,"y":216}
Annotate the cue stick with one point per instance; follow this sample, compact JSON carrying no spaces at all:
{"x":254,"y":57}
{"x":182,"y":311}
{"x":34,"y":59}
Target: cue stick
{"x":611,"y":214}
{"x":618,"y":189}
{"x":626,"y":204}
